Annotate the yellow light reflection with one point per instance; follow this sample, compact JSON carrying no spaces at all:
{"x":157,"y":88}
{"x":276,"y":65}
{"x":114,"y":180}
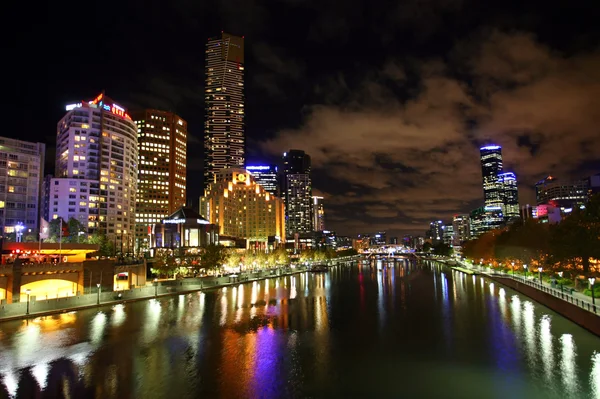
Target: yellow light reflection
{"x":48,"y":289}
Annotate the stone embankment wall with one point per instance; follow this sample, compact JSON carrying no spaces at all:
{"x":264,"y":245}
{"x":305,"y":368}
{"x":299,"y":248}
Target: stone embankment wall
{"x":572,"y":312}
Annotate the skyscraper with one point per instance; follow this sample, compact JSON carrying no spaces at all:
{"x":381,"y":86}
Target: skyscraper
{"x":21,"y":174}
{"x":462,"y":229}
{"x":224,"y":136}
{"x":297,"y":192}
{"x":510,"y":195}
{"x":435,"y":232}
{"x":162,"y":142}
{"x":318,"y":213}
{"x":491,"y":167}
{"x":266,"y":176}
{"x":97,"y":169}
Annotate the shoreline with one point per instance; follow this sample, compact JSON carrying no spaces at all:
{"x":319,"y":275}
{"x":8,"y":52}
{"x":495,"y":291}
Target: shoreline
{"x":145,"y":298}
{"x":573,"y":313}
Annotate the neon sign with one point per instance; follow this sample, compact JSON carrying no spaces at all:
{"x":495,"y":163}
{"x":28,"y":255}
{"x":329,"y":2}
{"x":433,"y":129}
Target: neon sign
{"x":258,"y":167}
{"x":97,"y":99}
{"x":73,"y":106}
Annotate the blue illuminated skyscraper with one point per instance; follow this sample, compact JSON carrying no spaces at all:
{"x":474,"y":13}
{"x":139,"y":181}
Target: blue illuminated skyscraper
{"x":491,"y":168}
{"x":499,"y":188}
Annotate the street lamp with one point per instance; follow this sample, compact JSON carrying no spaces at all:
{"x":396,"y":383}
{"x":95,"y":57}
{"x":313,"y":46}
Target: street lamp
{"x":19,"y":230}
{"x":560,"y":274}
{"x":525,"y":267}
{"x":27,"y":291}
{"x":155,"y":287}
{"x":98,"y":291}
{"x":513,"y":268}
{"x":540,"y":270}
{"x":592,"y":280}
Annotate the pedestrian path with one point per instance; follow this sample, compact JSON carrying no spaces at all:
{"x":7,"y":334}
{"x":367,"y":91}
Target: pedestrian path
{"x":573,"y":297}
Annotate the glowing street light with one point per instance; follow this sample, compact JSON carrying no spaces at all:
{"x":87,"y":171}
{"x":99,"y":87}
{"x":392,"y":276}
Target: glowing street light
{"x":540,"y":270}
{"x":98,"y":291}
{"x":155,"y":287}
{"x":525,"y":267}
{"x":513,"y":268}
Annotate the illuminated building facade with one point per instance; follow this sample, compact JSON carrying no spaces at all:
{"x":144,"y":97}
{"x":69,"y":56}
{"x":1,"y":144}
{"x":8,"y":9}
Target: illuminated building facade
{"x":184,"y":228}
{"x":297,"y":192}
{"x":21,"y":176}
{"x":499,"y":187}
{"x":266,"y":176}
{"x":491,"y":167}
{"x":448,"y":234}
{"x":162,"y":144}
{"x":318,"y":213}
{"x":97,"y":170}
{"x":510,"y":194}
{"x":379,"y":238}
{"x":563,"y":195}
{"x":241,"y":208}
{"x":435,"y":232}
{"x":224,"y":135}
{"x":486,"y":218}
{"x":462,"y":229}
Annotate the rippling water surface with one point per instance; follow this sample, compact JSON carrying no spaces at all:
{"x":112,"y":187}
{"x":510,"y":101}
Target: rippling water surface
{"x":406,"y":331}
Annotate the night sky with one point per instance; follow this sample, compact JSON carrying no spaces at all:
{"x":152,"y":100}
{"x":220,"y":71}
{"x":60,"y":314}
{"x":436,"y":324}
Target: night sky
{"x":391,"y":99}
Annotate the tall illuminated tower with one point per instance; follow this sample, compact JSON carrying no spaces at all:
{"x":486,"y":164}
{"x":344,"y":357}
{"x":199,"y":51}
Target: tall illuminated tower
{"x":296,"y":189}
{"x":224,"y":129}
{"x":162,"y":142}
{"x":491,"y":167}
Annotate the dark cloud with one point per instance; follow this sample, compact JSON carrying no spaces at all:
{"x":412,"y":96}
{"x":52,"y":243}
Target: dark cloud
{"x":516,"y":88}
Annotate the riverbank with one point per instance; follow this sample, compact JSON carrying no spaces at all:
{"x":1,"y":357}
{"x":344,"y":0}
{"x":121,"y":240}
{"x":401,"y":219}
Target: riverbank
{"x":48,"y":307}
{"x":560,"y":302}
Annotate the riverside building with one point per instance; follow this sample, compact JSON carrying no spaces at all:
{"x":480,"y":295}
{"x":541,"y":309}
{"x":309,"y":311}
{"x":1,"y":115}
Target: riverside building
{"x":242,"y":208}
{"x":96,"y":169}
{"x":162,"y":144}
{"x":21,"y":176}
{"x":224,"y":127}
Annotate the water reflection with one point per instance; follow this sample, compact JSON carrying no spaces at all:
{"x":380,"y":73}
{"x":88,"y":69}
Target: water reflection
{"x":344,"y":333}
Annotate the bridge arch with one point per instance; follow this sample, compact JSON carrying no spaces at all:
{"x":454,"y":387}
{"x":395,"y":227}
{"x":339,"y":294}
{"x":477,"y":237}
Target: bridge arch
{"x":50,"y":286}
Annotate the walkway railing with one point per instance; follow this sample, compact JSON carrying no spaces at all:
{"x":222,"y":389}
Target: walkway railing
{"x":576,"y":299}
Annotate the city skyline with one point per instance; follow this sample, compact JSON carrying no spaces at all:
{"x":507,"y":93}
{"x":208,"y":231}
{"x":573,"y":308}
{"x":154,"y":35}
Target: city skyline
{"x":393,"y":131}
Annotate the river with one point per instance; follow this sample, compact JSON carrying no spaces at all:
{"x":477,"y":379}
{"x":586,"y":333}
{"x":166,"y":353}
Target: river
{"x":405,"y":331}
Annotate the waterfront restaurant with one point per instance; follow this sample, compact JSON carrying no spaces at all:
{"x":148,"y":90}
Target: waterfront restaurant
{"x":185,"y":228}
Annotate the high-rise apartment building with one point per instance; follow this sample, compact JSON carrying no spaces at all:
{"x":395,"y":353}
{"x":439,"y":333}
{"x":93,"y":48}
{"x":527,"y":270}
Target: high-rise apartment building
{"x":491,"y":167}
{"x":224,"y":130}
{"x":161,"y":190}
{"x":435,"y":232}
{"x":242,"y":208}
{"x":21,"y":175}
{"x":510,"y":194}
{"x":297,"y":192}
{"x":462,"y":229}
{"x":318,"y":213}
{"x":97,"y":169}
{"x":266,"y":176}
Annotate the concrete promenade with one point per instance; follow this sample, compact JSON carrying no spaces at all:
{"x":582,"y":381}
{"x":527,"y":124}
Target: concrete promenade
{"x":37,"y":308}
